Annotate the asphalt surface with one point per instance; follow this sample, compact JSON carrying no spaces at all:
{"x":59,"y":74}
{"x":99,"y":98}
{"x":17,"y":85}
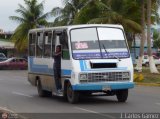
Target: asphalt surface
{"x":17,"y":95}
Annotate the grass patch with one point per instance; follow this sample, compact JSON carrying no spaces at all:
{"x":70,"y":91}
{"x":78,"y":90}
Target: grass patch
{"x":148,"y":77}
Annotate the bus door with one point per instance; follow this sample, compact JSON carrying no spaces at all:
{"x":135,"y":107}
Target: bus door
{"x":61,"y":39}
{"x":65,"y":62}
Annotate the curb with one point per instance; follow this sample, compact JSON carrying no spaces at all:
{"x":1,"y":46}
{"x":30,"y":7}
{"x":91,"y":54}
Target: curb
{"x":148,"y":84}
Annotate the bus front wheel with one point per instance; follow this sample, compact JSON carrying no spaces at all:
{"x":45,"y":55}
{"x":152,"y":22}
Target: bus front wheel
{"x":72,"y":96}
{"x":122,"y":95}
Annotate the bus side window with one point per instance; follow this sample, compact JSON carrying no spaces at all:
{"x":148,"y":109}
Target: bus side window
{"x":53,"y":43}
{"x":39,"y":48}
{"x":65,"y":48}
{"x":47,"y":44}
{"x":32,"y":44}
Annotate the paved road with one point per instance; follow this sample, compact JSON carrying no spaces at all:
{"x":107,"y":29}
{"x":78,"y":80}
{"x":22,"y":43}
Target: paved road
{"x":18,"y":95}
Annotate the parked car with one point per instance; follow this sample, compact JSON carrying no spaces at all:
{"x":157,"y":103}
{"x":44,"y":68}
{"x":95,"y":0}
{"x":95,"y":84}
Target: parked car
{"x":2,"y":57}
{"x":145,"y":60}
{"x":14,"y":63}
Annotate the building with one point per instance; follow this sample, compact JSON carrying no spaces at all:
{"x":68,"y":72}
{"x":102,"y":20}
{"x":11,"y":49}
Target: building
{"x":1,"y":31}
{"x":135,"y":49}
{"x":7,"y":48}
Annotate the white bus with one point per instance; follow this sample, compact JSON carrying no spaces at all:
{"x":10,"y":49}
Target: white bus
{"x":95,"y":61}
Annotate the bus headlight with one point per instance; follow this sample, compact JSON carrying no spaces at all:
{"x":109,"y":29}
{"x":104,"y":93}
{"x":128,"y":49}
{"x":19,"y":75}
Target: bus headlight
{"x":125,"y":75}
{"x":83,"y":76}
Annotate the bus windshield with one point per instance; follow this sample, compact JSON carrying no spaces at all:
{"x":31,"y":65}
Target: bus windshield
{"x":87,"y":43}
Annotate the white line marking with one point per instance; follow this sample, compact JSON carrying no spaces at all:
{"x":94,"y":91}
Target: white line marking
{"x":104,"y":115}
{"x":21,"y":94}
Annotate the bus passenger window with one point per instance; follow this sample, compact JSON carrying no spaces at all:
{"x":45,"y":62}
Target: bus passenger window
{"x":47,"y":44}
{"x":65,"y":48}
{"x":32,"y":45}
{"x":39,"y":47}
{"x":53,"y":43}
{"x":65,"y":54}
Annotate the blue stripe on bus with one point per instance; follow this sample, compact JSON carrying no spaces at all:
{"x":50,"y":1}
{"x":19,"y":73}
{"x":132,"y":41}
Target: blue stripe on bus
{"x":101,"y":86}
{"x":38,"y":68}
{"x":44,"y":69}
{"x":66,"y":72}
{"x":81,"y":65}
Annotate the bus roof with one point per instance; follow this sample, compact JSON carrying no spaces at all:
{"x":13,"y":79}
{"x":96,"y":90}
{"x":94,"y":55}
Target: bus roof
{"x":75,"y":26}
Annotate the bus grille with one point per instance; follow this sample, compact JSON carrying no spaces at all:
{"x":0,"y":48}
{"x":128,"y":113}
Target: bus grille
{"x":107,"y":76}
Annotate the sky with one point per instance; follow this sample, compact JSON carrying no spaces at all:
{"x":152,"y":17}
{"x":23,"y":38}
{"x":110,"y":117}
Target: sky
{"x":8,"y":7}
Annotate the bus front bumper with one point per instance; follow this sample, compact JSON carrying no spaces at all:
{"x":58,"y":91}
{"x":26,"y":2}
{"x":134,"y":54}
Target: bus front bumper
{"x":103,"y":86}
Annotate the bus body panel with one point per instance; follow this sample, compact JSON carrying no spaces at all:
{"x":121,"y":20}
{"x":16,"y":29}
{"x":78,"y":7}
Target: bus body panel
{"x":42,"y":68}
{"x":83,"y":67}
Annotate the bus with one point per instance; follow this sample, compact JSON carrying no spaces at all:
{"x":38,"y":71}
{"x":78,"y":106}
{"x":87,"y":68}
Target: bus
{"x":95,"y":61}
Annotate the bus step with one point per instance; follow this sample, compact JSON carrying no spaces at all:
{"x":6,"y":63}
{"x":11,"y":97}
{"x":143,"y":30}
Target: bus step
{"x":58,"y":94}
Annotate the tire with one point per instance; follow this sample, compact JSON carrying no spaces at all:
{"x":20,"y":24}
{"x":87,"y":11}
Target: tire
{"x":122,"y":95}
{"x":41,"y":92}
{"x":72,"y":96}
{"x":65,"y":91}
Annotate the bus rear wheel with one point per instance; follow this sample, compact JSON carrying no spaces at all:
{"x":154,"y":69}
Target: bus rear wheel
{"x":41,"y":92}
{"x":72,"y":96}
{"x":122,"y":95}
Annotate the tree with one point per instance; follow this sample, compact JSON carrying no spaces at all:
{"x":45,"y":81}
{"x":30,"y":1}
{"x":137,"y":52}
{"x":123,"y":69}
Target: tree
{"x":107,"y":11}
{"x":65,"y":15}
{"x":156,"y":37}
{"x":152,"y":66}
{"x":154,"y":18}
{"x":141,"y":53}
{"x":30,"y":16}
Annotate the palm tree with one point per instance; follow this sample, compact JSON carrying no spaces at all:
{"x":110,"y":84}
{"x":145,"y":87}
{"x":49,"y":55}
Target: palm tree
{"x":107,"y":11}
{"x":154,"y":18}
{"x":153,"y":68}
{"x":66,"y":15}
{"x":139,"y":64}
{"x":30,"y":16}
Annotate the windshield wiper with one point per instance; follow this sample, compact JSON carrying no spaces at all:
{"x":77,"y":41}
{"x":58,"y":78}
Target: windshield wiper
{"x":108,"y":53}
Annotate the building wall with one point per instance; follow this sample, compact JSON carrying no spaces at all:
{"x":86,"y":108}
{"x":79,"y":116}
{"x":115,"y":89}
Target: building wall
{"x":1,"y":31}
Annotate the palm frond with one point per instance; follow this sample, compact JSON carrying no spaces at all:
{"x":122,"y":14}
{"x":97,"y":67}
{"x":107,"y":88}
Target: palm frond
{"x":44,"y":16}
{"x":18,"y":19}
{"x":22,"y":7}
{"x":132,"y":26}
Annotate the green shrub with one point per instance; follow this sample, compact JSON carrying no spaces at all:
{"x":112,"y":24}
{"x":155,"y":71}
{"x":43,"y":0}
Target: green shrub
{"x":138,"y":77}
